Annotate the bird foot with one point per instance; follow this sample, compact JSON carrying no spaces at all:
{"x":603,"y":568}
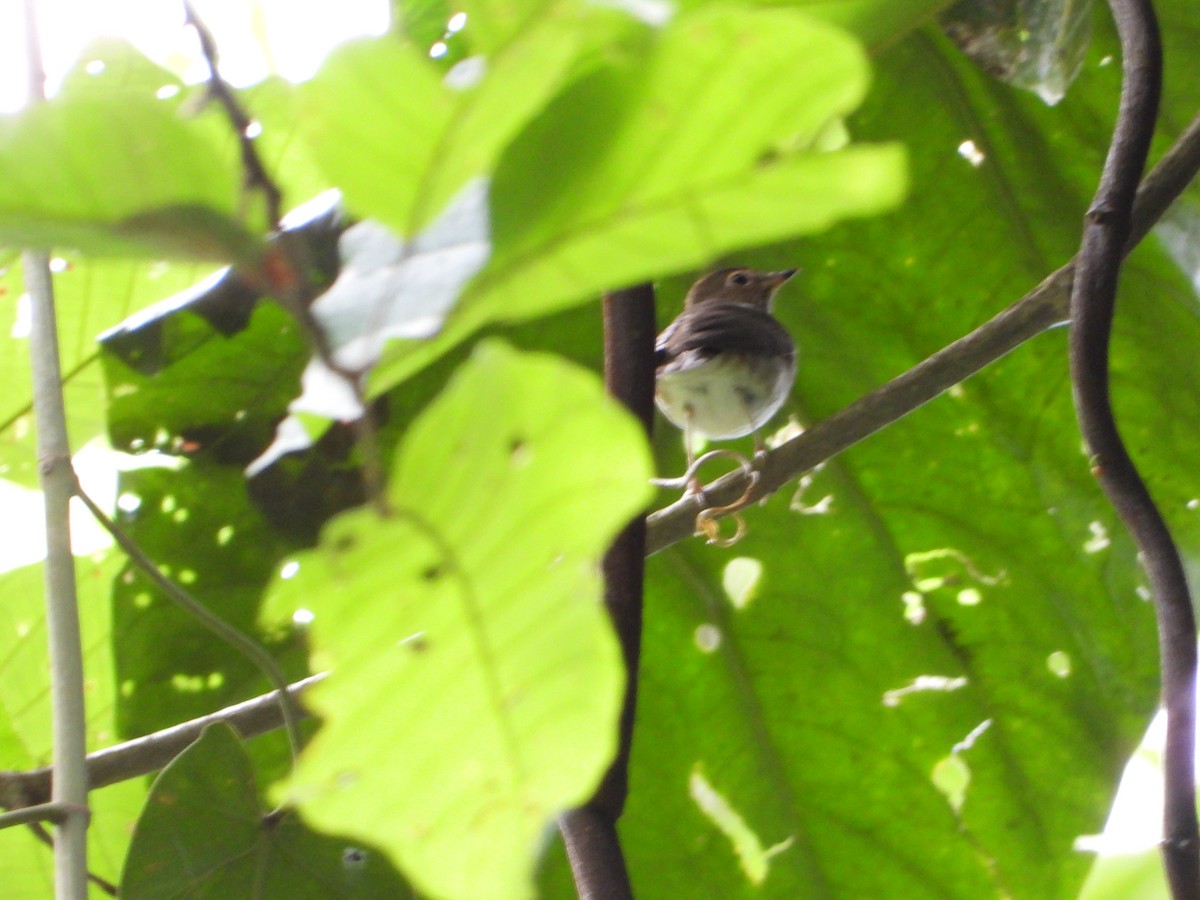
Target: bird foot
{"x":689,"y":480}
{"x":707,"y":520}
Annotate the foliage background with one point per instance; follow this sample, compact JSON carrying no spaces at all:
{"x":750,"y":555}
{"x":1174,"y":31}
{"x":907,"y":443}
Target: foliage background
{"x":978,"y":507}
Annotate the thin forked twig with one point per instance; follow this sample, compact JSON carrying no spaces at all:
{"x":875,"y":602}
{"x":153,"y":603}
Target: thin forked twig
{"x":1093,"y":302}
{"x":283,"y":272}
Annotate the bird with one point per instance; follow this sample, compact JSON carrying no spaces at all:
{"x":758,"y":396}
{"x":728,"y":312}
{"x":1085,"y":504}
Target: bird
{"x":726,"y":365}
{"x":723,"y":368}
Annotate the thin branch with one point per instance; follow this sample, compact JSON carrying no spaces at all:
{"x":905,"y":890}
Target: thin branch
{"x":1093,"y":303}
{"x":255,"y":173}
{"x":68,"y":718}
{"x":283,"y":273}
{"x":1046,"y":306}
{"x":590,"y":832}
{"x":42,"y":812}
{"x":243,"y":643}
{"x":149,"y":753}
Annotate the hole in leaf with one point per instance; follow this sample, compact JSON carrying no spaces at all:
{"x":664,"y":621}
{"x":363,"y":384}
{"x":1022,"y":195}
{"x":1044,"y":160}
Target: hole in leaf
{"x":951,"y":776}
{"x":740,"y":580}
{"x":708,"y":637}
{"x":1059,"y":663}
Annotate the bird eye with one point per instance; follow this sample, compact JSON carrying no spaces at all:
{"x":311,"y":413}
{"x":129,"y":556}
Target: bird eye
{"x":739,"y":278}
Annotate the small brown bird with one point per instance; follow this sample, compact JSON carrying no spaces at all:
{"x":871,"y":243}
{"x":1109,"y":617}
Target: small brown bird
{"x":726,"y":364}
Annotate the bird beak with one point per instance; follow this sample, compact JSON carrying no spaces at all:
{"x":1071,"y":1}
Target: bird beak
{"x":776,"y":279}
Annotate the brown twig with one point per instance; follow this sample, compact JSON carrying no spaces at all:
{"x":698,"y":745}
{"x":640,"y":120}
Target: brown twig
{"x":149,"y":753}
{"x":1093,"y":303}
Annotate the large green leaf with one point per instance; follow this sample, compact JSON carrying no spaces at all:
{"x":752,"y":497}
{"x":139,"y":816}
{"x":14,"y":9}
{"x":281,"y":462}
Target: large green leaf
{"x":475,"y":679}
{"x":657,"y":163}
{"x":203,"y":834}
{"x":381,"y":105}
{"x":118,"y":175}
{"x":91,"y":295}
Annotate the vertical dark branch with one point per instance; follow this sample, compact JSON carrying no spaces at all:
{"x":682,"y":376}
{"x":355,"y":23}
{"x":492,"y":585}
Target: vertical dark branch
{"x":590,"y":832}
{"x":1092,"y":304}
{"x":629,"y":334}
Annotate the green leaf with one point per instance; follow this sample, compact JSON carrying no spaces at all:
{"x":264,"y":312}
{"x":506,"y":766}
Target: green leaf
{"x":1035,"y":45}
{"x":198,"y":524}
{"x":476,"y":682}
{"x":202,"y":834}
{"x":659,"y":164}
{"x":400,"y":140}
{"x":90,"y":296}
{"x":181,"y":382}
{"x":875,"y":22}
{"x":118,"y":174}
{"x":26,"y":865}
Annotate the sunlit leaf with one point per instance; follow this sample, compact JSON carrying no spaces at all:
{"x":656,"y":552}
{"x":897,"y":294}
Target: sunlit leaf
{"x":381,"y":106}
{"x":475,"y":679}
{"x":26,"y":864}
{"x":117,"y":174}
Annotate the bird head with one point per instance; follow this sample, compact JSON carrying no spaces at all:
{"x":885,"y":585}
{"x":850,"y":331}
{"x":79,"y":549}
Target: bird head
{"x":738,"y":285}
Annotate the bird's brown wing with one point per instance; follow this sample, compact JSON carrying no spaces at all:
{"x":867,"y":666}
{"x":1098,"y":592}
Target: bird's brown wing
{"x":717,"y":327}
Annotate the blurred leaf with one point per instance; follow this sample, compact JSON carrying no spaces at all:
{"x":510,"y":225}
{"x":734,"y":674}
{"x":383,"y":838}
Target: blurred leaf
{"x":221,"y":392}
{"x":91,"y":295}
{"x":110,"y":67}
{"x":202,"y":834}
{"x":658,"y":164}
{"x":276,"y":105}
{"x":387,"y":288}
{"x":1134,"y":876}
{"x":421,"y":21}
{"x":26,"y":865}
{"x":472,"y":615}
{"x":213,"y":367}
{"x":117,"y":174}
{"x":877,"y":23}
{"x":1034,"y":44}
{"x":380,"y":105}
{"x":23,"y":658}
{"x":199,"y":525}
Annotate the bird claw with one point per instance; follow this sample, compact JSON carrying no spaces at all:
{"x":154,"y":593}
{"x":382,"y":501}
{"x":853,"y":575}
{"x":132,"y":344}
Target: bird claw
{"x":711,"y":529}
{"x":706,"y":519}
{"x":688,"y":479}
